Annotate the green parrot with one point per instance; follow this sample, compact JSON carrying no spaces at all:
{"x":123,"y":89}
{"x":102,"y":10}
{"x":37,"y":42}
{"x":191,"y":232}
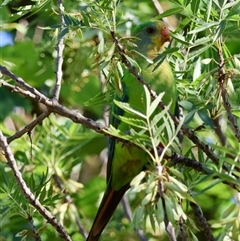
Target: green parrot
{"x":127,"y":161}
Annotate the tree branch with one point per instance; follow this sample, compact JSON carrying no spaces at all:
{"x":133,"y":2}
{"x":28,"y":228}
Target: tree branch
{"x":29,"y":127}
{"x":52,"y":105}
{"x":222,"y":81}
{"x":27,"y":192}
{"x":35,"y":233}
{"x":202,"y":221}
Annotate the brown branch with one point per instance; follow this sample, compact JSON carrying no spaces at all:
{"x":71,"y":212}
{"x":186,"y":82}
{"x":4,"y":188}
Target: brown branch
{"x":33,"y":228}
{"x":202,"y":221}
{"x":52,"y":105}
{"x":231,"y":117}
{"x":27,"y":192}
{"x":218,"y":130}
{"x":19,"y":90}
{"x":182,"y":230}
{"x":21,"y":83}
{"x":222,"y":77}
{"x":198,"y":166}
{"x":188,"y":162}
{"x":28,"y":128}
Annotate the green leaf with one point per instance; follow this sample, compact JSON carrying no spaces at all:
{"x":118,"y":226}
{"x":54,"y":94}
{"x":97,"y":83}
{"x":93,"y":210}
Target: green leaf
{"x":154,"y":105}
{"x":134,"y":122}
{"x":236,"y":112}
{"x":169,"y":209}
{"x":110,"y":52}
{"x":162,"y":56}
{"x":169,"y":12}
{"x":138,"y":179}
{"x":5,"y":2}
{"x":189,"y":117}
{"x":132,"y":62}
{"x":101,"y":46}
{"x":203,"y":27}
{"x":137,"y":216}
{"x":100,"y":99}
{"x":148,"y":100}
{"x":203,"y":114}
{"x":232,"y":162}
{"x":180,"y":38}
{"x":228,"y":211}
{"x":63,"y":32}
{"x":126,"y":107}
{"x":201,"y":41}
{"x":159,"y":211}
{"x":199,"y":51}
{"x":234,"y":10}
{"x":220,"y":30}
{"x":195,"y":6}
{"x":186,"y":104}
{"x":71,"y":21}
{"x":186,"y":2}
{"x":146,"y":199}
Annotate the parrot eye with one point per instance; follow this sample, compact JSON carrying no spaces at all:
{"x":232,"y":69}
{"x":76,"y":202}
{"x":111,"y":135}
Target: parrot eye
{"x":150,"y":30}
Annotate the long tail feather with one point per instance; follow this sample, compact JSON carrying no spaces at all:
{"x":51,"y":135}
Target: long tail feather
{"x":108,"y":205}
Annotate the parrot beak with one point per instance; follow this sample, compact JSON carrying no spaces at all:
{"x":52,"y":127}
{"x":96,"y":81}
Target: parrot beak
{"x":165,"y":33}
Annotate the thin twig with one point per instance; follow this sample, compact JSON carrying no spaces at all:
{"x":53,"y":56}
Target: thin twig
{"x":128,"y":214}
{"x":182,"y":230}
{"x":60,"y":48}
{"x":69,"y":200}
{"x":53,"y":105}
{"x":19,"y":90}
{"x":222,"y":77}
{"x":160,"y":10}
{"x":27,"y":192}
{"x":218,"y":130}
{"x":21,"y":83}
{"x":33,"y":228}
{"x":28,"y":128}
{"x":126,"y":208}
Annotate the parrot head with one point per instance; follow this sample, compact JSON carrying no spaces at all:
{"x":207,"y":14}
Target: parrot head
{"x":151,"y":36}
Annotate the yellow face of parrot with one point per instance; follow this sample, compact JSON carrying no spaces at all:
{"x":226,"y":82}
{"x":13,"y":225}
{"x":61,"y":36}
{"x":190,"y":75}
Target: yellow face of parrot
{"x":151,"y":37}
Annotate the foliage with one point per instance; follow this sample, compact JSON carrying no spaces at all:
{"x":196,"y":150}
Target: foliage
{"x":60,"y":160}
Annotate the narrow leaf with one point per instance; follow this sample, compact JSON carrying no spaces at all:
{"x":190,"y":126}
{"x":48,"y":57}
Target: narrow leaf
{"x":169,"y":12}
{"x":155,"y":104}
{"x":126,"y":107}
{"x":204,"y":26}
